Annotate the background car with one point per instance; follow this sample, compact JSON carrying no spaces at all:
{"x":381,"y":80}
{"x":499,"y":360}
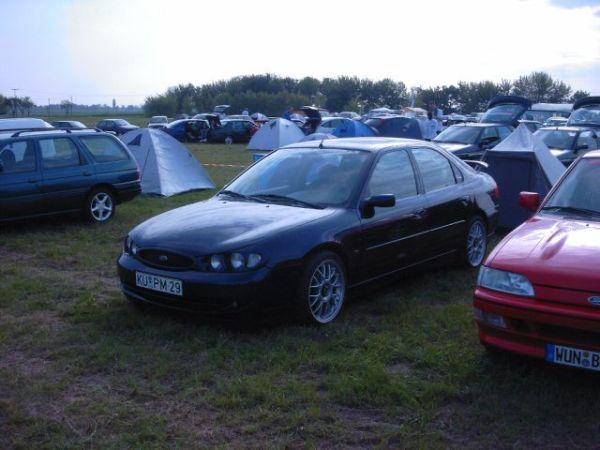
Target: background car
{"x":349,"y":115}
{"x":158,"y":122}
{"x":233,"y":131}
{"x":396,"y":126}
{"x":68,"y":125}
{"x":471,"y":140}
{"x":308,"y":222}
{"x":568,"y":143}
{"x":23,"y":123}
{"x":188,"y":130}
{"x":538,"y":292}
{"x":532,"y":125}
{"x":116,"y":126}
{"x":44,"y":173}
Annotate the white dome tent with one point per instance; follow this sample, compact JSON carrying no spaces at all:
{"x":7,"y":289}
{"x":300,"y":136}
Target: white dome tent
{"x":275,"y":134}
{"x":167,"y":167}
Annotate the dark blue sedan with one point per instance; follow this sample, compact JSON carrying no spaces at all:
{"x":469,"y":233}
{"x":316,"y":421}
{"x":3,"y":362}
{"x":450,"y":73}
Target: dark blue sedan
{"x":309,"y":222}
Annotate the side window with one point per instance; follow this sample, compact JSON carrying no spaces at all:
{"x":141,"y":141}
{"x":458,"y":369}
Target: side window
{"x":238,"y":126}
{"x":17,"y":157}
{"x":59,"y":152}
{"x":586,"y":138}
{"x":104,"y":148}
{"x":435,"y":169}
{"x":503,"y":132}
{"x":393,"y":174}
{"x":489,"y":132}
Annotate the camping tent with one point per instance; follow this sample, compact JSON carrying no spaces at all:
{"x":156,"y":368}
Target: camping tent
{"x":521,"y":162}
{"x":166,"y":166}
{"x":275,"y":134}
{"x":351,"y":128}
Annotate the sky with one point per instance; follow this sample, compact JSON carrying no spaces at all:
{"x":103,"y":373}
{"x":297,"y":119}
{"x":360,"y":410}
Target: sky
{"x":97,"y":50}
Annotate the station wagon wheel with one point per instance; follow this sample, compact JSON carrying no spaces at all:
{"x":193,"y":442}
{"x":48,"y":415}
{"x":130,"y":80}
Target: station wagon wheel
{"x":475,"y":243}
{"x":323,"y":291}
{"x":100,"y":206}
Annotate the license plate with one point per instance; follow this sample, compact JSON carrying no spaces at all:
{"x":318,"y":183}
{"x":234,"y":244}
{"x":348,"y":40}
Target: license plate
{"x":574,"y":357}
{"x":160,"y":284}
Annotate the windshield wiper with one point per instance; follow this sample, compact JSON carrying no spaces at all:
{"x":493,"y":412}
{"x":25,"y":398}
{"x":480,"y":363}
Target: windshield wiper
{"x":288,"y":200}
{"x":570,"y":209}
{"x":238,"y":195}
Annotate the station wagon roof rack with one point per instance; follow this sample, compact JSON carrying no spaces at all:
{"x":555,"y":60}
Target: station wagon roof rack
{"x":37,"y":130}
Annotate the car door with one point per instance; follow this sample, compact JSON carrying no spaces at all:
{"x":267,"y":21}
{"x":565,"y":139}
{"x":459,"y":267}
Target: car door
{"x":447,"y":201}
{"x":391,"y":238}
{"x":20,"y":179}
{"x":67,"y":175}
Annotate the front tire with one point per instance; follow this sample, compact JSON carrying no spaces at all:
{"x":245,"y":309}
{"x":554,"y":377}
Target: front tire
{"x":100,"y":206}
{"x":323,"y":289}
{"x":475,"y":243}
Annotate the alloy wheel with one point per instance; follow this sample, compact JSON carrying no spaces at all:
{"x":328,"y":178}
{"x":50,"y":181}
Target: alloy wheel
{"x":476,"y":243}
{"x":326,"y":291}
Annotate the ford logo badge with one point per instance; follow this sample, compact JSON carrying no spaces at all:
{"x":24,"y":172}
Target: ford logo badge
{"x":594,"y":300}
{"x":165,"y":258}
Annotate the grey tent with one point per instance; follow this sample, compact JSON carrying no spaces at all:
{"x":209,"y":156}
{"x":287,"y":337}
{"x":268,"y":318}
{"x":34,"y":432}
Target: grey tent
{"x":166,"y":166}
{"x":274,"y":134}
{"x":521,"y":162}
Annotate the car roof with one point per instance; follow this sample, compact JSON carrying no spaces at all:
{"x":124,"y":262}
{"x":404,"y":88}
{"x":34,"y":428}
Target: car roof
{"x":477,"y":124}
{"x":370,"y":144}
{"x":52,"y":131}
{"x":565,"y":128}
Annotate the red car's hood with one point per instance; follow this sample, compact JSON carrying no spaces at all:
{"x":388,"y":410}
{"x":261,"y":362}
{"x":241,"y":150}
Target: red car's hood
{"x":553,"y":251}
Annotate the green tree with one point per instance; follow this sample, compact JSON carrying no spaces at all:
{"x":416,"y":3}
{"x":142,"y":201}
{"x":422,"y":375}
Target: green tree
{"x":578,"y":95}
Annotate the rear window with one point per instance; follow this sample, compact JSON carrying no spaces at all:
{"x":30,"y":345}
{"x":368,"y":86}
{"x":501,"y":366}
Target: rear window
{"x":104,"y":148}
{"x":17,"y":156}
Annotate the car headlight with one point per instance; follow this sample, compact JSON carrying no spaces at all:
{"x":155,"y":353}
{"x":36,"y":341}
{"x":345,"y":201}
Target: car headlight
{"x":130,"y":247}
{"x":503,"y":281}
{"x":230,"y":262}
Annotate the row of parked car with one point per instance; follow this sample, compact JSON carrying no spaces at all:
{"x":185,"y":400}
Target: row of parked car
{"x":308,"y":223}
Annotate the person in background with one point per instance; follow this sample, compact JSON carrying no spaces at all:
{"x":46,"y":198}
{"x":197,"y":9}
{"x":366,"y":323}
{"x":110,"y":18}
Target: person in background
{"x":431,"y":127}
{"x":245,"y":112}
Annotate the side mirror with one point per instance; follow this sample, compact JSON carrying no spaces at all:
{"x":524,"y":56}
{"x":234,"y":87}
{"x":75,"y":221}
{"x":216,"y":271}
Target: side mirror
{"x":529,"y":200}
{"x":381,"y":201}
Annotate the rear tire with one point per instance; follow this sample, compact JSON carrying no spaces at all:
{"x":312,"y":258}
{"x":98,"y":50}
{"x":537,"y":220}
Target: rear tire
{"x":474,"y":247}
{"x":100,"y":205}
{"x":322,"y":290}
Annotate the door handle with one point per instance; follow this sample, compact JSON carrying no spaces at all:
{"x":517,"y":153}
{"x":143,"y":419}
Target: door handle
{"x":418,"y":214}
{"x":87,"y":174}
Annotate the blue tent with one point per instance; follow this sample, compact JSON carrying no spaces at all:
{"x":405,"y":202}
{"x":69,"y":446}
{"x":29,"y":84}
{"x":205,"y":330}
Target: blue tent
{"x":396,"y":126}
{"x":352,"y":128}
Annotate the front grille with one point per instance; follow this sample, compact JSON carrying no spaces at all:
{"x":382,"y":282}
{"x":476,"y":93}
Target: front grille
{"x":557,"y":333}
{"x":165,"y":260}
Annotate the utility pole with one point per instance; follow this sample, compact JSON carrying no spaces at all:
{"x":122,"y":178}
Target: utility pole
{"x":14,"y":101}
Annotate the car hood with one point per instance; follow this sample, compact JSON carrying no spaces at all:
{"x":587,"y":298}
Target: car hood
{"x":458,"y":148}
{"x":553,"y":251}
{"x":221,"y":225}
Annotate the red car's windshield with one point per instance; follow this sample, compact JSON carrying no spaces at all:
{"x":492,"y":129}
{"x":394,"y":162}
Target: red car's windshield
{"x":580,"y":190}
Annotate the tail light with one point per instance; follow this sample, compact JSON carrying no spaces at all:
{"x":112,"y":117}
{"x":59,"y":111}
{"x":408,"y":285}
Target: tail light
{"x":497,"y":192}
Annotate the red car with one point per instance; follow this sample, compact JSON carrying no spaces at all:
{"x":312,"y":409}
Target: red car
{"x":538,"y":293}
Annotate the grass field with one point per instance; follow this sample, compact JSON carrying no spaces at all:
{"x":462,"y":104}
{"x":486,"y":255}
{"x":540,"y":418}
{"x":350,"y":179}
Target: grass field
{"x":401,"y":367}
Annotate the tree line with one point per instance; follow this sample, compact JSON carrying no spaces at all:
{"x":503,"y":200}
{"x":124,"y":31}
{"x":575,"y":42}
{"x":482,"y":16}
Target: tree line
{"x":16,"y":106}
{"x":272,"y":95}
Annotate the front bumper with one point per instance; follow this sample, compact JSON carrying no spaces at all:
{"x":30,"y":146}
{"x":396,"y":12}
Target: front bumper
{"x":209,"y":292}
{"x":531,"y":324}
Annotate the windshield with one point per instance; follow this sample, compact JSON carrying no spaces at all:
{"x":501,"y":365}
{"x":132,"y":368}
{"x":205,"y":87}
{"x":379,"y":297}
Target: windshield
{"x":579,"y":190}
{"x":503,"y":113}
{"x":459,"y":134}
{"x":560,"y":139}
{"x":325,"y":177}
{"x":588,"y":115}
{"x":121,"y":122}
{"x":158,"y":119}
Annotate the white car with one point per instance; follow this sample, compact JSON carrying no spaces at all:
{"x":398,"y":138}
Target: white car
{"x":23,"y":124}
{"x":158,"y":122}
